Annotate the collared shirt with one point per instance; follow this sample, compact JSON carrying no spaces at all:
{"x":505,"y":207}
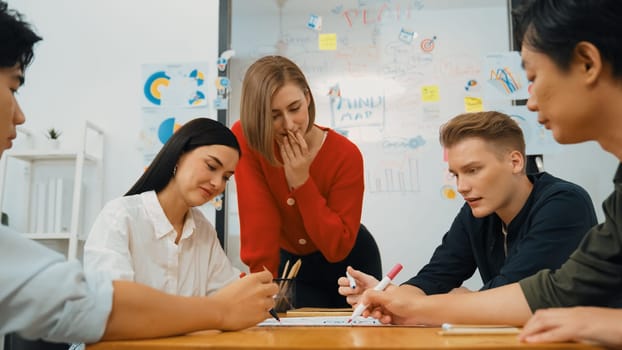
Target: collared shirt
{"x":132,"y":239}
{"x":42,"y":295}
{"x":593,"y":273}
{"x":547,"y":229}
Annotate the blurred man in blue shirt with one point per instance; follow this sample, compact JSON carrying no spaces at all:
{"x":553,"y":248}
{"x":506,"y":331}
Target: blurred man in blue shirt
{"x":43,"y":296}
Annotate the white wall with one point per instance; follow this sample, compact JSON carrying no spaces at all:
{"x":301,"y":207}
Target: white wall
{"x":89,"y":67}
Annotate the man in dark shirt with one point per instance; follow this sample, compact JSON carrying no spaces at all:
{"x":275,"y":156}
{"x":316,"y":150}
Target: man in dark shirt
{"x":573,"y":55}
{"x":511,"y":226}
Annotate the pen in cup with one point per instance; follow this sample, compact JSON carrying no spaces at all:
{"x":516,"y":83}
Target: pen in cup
{"x":379,"y":287}
{"x":351,"y":280}
{"x":286,"y":295}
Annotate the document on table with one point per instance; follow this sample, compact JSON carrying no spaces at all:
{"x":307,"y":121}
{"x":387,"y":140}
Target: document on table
{"x":461,"y":329}
{"x":320,"y":321}
{"x":319,"y":311}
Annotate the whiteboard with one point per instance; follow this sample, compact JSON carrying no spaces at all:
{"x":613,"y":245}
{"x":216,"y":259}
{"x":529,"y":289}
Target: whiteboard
{"x":401,"y":68}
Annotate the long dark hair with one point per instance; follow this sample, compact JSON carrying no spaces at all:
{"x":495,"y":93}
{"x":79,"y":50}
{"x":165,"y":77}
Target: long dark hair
{"x":195,"y":133}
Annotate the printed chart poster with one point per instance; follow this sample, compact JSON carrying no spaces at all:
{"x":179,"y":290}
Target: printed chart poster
{"x":158,"y":125}
{"x":172,"y":94}
{"x":538,"y":139}
{"x":174,"y":85}
{"x":504,"y":77}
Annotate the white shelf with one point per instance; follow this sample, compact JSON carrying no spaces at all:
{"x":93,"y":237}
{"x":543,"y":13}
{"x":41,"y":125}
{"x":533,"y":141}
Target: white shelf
{"x":51,"y":235}
{"x":77,"y":159}
{"x":33,"y":155}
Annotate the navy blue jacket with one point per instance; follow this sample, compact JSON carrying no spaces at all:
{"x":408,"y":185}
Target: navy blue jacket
{"x":549,"y":227}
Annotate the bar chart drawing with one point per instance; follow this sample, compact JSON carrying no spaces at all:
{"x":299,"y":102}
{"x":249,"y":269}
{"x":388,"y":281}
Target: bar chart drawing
{"x":392,"y":175}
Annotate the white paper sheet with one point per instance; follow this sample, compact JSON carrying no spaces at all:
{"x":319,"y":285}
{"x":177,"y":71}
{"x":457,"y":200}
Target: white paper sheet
{"x":321,"y":321}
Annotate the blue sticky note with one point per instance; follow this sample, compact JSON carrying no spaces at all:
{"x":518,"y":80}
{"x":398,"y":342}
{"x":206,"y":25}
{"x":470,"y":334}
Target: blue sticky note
{"x":315,"y":22}
{"x":407,"y":36}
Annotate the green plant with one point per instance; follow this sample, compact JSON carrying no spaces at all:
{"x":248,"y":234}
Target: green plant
{"x":53,"y":134}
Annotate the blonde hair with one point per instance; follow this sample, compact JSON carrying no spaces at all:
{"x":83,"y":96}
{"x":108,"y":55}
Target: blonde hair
{"x":262,"y":79}
{"x":492,"y":126}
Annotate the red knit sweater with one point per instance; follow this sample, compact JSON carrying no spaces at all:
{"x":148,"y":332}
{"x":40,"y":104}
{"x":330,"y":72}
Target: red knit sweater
{"x":323,"y":214}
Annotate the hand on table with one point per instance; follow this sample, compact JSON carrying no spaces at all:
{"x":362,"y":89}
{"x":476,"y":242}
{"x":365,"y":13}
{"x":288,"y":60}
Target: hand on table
{"x":596,"y":324}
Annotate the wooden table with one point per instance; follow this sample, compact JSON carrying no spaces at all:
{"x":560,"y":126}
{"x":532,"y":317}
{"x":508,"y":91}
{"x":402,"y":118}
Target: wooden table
{"x":310,"y":338}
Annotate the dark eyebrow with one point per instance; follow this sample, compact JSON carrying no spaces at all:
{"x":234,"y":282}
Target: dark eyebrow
{"x":216,"y":160}
{"x":523,"y":64}
{"x":219,"y":162}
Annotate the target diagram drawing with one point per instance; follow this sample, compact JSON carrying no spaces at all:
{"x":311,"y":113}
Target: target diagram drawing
{"x":174,"y":85}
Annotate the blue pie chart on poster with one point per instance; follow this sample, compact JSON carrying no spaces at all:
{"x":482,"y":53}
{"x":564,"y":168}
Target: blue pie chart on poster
{"x":153,"y":84}
{"x":166,"y":129}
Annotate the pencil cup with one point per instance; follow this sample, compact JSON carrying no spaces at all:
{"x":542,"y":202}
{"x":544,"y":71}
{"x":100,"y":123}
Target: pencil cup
{"x":285,"y":297}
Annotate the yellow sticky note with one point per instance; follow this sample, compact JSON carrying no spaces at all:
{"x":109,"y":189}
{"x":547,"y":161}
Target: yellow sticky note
{"x":327,"y":42}
{"x":430,"y":93}
{"x":473,"y":104}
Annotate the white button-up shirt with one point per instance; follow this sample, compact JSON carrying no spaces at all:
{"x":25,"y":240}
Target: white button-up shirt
{"x":132,"y":239}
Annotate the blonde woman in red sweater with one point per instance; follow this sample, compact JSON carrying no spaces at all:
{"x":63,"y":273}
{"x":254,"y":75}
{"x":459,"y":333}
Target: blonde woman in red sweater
{"x":300,"y":186}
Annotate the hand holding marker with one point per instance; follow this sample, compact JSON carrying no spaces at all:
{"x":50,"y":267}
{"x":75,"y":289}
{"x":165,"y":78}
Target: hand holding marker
{"x":271,"y":311}
{"x":274,"y":314}
{"x":351,"y":280}
{"x":379,"y":287}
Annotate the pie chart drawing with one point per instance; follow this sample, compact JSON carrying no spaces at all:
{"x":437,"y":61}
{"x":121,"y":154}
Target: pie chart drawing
{"x":197,"y":99}
{"x":166,"y":129}
{"x":198,"y":76}
{"x":153,"y":85}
